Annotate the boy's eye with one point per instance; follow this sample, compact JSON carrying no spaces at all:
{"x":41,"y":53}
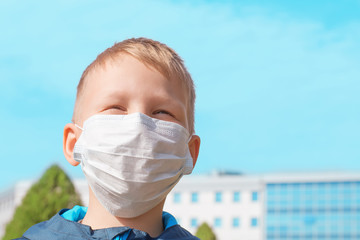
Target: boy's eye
{"x":116,"y":109}
{"x":163,"y":112}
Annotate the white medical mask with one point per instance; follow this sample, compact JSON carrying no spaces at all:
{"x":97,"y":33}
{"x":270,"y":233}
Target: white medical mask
{"x":131,"y":162}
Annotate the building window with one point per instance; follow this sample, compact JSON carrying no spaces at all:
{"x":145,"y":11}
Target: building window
{"x":177,"y":197}
{"x":236,"y":222}
{"x":254,"y":196}
{"x":194,"y":223}
{"x":217,"y":222}
{"x":218,"y":197}
{"x":194,"y":197}
{"x":254,"y":222}
{"x":236,"y":197}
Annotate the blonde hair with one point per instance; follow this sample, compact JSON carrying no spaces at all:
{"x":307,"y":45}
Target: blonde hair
{"x":151,"y":53}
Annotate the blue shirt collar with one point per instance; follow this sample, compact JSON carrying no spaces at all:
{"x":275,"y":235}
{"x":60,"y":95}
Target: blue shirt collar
{"x":77,"y":213}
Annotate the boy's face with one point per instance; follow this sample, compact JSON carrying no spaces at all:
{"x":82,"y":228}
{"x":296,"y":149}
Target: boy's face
{"x":126,"y":86}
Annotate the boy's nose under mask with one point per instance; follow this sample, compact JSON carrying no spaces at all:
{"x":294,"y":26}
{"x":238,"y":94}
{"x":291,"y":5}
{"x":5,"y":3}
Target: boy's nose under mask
{"x":131,"y":162}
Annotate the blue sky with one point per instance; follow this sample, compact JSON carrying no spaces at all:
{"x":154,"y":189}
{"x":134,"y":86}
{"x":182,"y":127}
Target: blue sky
{"x":278,"y":82}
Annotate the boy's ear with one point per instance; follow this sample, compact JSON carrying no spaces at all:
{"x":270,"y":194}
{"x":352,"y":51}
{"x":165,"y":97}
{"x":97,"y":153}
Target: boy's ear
{"x":194,"y":146}
{"x":69,"y":143}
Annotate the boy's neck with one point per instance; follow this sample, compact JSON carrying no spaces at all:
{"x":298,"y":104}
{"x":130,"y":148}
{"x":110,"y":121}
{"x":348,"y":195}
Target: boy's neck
{"x":97,"y":217}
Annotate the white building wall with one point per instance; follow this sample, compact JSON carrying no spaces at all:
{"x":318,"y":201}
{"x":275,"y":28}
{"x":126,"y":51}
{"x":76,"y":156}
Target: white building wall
{"x":207,"y":209}
{"x":9,"y":200}
{"x":6,"y":209}
{"x":82,"y":188}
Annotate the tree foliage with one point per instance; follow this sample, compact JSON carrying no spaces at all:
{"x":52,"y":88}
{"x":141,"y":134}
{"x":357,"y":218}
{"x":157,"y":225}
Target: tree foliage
{"x":204,"y":232}
{"x":44,"y":199}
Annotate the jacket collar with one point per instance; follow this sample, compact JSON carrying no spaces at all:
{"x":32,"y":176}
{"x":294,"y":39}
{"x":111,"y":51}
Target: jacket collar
{"x":60,"y":226}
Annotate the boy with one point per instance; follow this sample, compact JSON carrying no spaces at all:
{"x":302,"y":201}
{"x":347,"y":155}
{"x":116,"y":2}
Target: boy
{"x":132,"y":133}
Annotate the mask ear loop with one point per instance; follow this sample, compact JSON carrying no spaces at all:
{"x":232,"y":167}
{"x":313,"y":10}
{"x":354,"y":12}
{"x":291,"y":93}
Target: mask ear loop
{"x":77,"y":156}
{"x":190,"y":163}
{"x":79,"y":127}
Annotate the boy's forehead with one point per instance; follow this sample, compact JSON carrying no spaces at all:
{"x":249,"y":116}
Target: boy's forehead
{"x":100,"y":70}
{"x":96,"y":78}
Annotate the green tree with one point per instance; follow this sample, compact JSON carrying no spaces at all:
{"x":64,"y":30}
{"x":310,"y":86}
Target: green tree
{"x":44,"y":199}
{"x":204,"y":232}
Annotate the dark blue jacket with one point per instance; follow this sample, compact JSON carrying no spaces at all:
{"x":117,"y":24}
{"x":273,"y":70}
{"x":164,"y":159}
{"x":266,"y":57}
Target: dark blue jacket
{"x":60,"y":228}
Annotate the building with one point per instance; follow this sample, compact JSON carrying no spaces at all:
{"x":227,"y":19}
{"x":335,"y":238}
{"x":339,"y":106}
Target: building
{"x":313,"y":206}
{"x":232,"y":204}
{"x":292,"y":206}
{"x":9,"y":200}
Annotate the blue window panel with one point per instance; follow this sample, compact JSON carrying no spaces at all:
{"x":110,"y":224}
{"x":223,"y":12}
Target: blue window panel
{"x":347,"y":202}
{"x":194,"y":222}
{"x":334,"y":202}
{"x":254,"y":196}
{"x":270,"y":229}
{"x":271,"y":187}
{"x":284,"y":192}
{"x":236,"y":222}
{"x":334,"y":184}
{"x":284,"y":189}
{"x":309,"y":203}
{"x":217,"y":222}
{"x":334,"y":192}
{"x":194,"y":197}
{"x":236,"y":197}
{"x":321,"y":187}
{"x":309,"y":220}
{"x":271,"y":193}
{"x":270,"y":210}
{"x":283,"y":229}
{"x":347,"y":184}
{"x":254,"y":222}
{"x":321,"y":210}
{"x":283,"y":211}
{"x":321,"y":184}
{"x":218,"y":197}
{"x":177,"y":197}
